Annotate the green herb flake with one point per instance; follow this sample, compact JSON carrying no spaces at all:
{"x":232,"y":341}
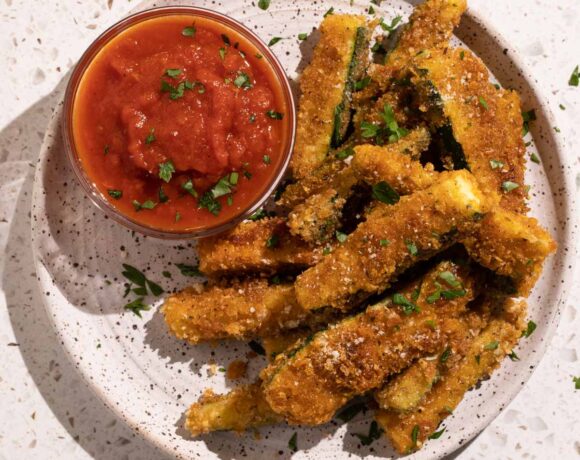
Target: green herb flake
{"x":326,"y":251}
{"x":351,"y":411}
{"x":557,"y":129}
{"x":151,"y":137}
{"x":302,"y":36}
{"x":535,"y":158}
{"x":173,"y":73}
{"x":329,"y":11}
{"x":177,"y":216}
{"x":166,"y":171}
{"x":530,"y":328}
{"x":384,"y":193}
{"x":116,"y":194}
{"x":341,"y":237}
{"x":408,"y":306}
{"x":189,"y":270}
{"x":208,"y":201}
{"x":477,"y":359}
{"x":431,"y":323}
{"x":496,"y":164}
{"x":189,"y":31}
{"x":226,"y":39}
{"x":445,"y":355}
{"x":273,"y":241}
{"x":576,"y":381}
{"x":462,"y":55}
{"x":175,"y":92}
{"x":375,"y":433}
{"x":149,"y":204}
{"x":293,"y":443}
{"x":450,"y":279}
{"x":222,"y":52}
{"x":528,"y":117}
{"x":384,"y":243}
{"x":483,"y":103}
{"x":412,"y":247}
{"x":266,"y":159}
{"x":222,"y":188}
{"x":264,"y":4}
{"x":491,"y":345}
{"x":513,"y":356}
{"x":274,"y":115}
{"x":362,"y":84}
{"x":163,"y":198}
{"x":344,"y":154}
{"x":253,"y":118}
{"x":437,"y":434}
{"x":258,"y":56}
{"x":562,"y":107}
{"x":508,"y":186}
{"x":575,"y":77}
{"x":188,"y":187}
{"x":415,"y":435}
{"x":392,"y":26}
{"x":274,"y":40}
{"x":137,"y":306}
{"x":243,"y":81}
{"x":166,"y":274}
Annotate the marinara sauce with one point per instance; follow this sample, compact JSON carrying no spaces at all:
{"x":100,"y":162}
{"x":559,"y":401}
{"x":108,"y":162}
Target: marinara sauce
{"x":179,"y":122}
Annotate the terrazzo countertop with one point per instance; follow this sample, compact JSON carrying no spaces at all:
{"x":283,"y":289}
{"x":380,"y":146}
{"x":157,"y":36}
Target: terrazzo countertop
{"x":48,"y":412}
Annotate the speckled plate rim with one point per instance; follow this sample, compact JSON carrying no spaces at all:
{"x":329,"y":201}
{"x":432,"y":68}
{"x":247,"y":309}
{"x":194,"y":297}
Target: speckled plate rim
{"x":567,"y":239}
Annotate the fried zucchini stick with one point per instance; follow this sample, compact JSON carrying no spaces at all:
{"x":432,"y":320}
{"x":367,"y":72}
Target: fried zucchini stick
{"x":308,"y":384}
{"x":241,"y":409}
{"x":416,"y":228}
{"x":481,"y":125}
{"x":338,"y":61}
{"x":484,"y":355}
{"x":252,"y":308}
{"x":263,"y":246}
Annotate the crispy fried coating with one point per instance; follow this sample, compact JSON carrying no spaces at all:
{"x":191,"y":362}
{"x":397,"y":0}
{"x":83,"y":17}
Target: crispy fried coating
{"x":417,"y":227}
{"x":308,"y":384}
{"x":241,"y":409}
{"x":276,"y":344}
{"x":250,"y":309}
{"x":263,"y":246}
{"x":330,"y":70}
{"x":512,"y":245}
{"x":485,"y":354}
{"x":485,"y":121}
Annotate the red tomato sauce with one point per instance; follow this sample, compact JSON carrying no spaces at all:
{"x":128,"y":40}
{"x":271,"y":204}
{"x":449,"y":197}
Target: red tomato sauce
{"x":179,"y":122}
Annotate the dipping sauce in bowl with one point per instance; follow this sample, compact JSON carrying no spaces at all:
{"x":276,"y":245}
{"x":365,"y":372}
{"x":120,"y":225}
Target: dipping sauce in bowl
{"x":179,"y":122}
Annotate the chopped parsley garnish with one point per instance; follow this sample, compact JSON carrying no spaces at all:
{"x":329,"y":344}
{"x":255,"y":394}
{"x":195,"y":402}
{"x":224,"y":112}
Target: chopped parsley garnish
{"x":557,"y":129}
{"x":562,"y":107}
{"x":208,"y":202}
{"x":375,"y":433}
{"x":483,"y":103}
{"x":329,"y":11}
{"x":535,"y":158}
{"x":384,"y":243}
{"x":326,"y":251}
{"x":136,"y":277}
{"x":243,"y":81}
{"x":274,"y":115}
{"x":189,"y":31}
{"x":226,"y":39}
{"x":390,"y":131}
{"x":528,"y":117}
{"x":415,"y":435}
{"x":362,"y":84}
{"x":350,"y":412}
{"x":266,"y":159}
{"x":576,"y":381}
{"x":445,"y":355}
{"x":263,"y":4}
{"x":166,"y":274}
{"x":274,"y":40}
{"x":341,"y":237}
{"x":177,"y":216}
{"x":408,"y":306}
{"x":116,"y":194}
{"x":173,"y":73}
{"x":230,"y":200}
{"x":575,"y":77}
{"x":166,"y":170}
{"x":491,"y":345}
{"x":222,"y":52}
{"x":508,"y":186}
{"x":258,"y":56}
{"x":412,"y":247}
{"x":257,"y":347}
{"x":150,"y":137}
{"x":392,"y":26}
{"x":531,"y":327}
{"x":513,"y":356}
{"x":477,"y":359}
{"x":273,"y":241}
{"x":137,"y":306}
{"x":437,"y":434}
{"x":302,"y":36}
{"x":259,"y":214}
{"x":432,"y":324}
{"x":371,"y":10}
{"x":149,"y":204}
{"x":188,"y":187}
{"x":253,"y":118}
{"x":344,"y":154}
{"x":462,"y":55}
{"x":292,"y":444}
{"x":175,"y":92}
{"x":496,"y":164}
{"x":163,"y":198}
{"x":385,"y":193}
{"x":450,"y":279}
{"x":189,"y":270}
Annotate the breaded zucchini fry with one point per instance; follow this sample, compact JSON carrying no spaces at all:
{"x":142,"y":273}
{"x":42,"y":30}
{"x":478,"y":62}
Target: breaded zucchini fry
{"x":252,"y":308}
{"x":338,"y":61}
{"x":264,"y":246}
{"x":238,"y":410}
{"x":480,"y":126}
{"x":308,"y":384}
{"x":276,"y":344}
{"x":417,"y":227}
{"x":484,"y":355}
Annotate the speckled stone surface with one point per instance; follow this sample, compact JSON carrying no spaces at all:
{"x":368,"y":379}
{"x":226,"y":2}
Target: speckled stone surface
{"x":48,"y":412}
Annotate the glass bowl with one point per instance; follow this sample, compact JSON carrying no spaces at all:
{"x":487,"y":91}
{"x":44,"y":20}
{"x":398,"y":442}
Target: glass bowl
{"x":91,"y":189}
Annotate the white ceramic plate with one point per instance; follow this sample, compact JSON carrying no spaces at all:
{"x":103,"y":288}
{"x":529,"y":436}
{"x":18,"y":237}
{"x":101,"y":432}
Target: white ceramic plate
{"x":148,"y":378}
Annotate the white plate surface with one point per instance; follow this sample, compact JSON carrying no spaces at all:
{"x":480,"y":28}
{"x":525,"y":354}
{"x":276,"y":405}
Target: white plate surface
{"x":148,"y":378}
